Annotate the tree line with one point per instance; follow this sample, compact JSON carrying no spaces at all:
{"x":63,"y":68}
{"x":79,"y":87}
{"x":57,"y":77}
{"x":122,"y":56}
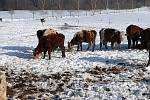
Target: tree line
{"x":71,"y":4}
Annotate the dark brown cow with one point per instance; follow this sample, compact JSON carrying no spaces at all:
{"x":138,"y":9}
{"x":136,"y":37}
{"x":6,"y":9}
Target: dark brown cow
{"x":48,"y":43}
{"x":83,"y":36}
{"x":145,"y":41}
{"x":42,"y":20}
{"x":110,"y":35}
{"x":133,"y":34}
{"x":0,"y":19}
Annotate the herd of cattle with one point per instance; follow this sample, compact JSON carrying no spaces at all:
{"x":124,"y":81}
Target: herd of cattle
{"x":49,"y":39}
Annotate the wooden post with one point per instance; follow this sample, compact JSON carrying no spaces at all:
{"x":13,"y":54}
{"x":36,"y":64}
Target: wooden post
{"x":3,"y":86}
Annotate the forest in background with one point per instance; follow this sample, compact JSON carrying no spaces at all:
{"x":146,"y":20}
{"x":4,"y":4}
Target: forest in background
{"x":71,"y":4}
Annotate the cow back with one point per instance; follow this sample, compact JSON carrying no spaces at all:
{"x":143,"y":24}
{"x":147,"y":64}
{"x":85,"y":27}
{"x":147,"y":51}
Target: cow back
{"x":53,"y":40}
{"x":106,"y":34}
{"x":49,"y":31}
{"x":110,"y":35}
{"x":88,"y":35}
{"x":133,"y":31}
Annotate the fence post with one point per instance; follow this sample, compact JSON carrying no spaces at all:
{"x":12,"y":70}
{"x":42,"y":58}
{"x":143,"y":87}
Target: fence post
{"x":3,"y":86}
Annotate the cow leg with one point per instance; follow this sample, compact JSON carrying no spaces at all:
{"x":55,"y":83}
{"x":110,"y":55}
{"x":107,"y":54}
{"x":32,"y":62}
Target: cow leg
{"x":89,"y":44}
{"x":133,"y":45}
{"x":119,"y":45}
{"x":49,"y":53}
{"x":78,"y":46}
{"x":44,"y":55}
{"x":112,"y":45}
{"x":129,"y":42}
{"x":136,"y":43}
{"x":93,"y":47}
{"x":63,"y":51}
{"x":81,"y":46}
{"x":106,"y":45}
{"x":101,"y":45}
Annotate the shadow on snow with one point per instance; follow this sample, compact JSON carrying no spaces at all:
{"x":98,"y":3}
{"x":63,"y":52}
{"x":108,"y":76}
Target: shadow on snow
{"x":18,"y":51}
{"x":97,"y":47}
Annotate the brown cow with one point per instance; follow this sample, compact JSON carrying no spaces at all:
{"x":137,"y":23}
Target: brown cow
{"x":133,"y":34}
{"x":83,"y":36}
{"x":110,"y":35}
{"x":48,"y":43}
{"x":145,"y":41}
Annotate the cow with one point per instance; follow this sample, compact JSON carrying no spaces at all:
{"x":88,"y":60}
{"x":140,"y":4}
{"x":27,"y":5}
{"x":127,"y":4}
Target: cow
{"x":0,"y":19}
{"x":110,"y":35}
{"x":42,"y":20}
{"x":87,"y":36}
{"x":133,"y":35}
{"x":145,"y":41}
{"x":48,"y":43}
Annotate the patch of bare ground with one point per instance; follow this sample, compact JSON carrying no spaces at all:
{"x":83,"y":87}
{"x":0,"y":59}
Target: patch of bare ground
{"x":99,"y":70}
{"x":27,"y":85}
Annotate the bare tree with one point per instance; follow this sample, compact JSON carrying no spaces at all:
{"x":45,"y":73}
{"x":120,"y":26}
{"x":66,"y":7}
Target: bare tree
{"x":118,"y":6}
{"x":59,"y":8}
{"x":43,"y":4}
{"x":78,"y":5}
{"x":11,"y":12}
{"x":33,"y":13}
{"x":107,"y":4}
{"x":93,"y":6}
{"x":132,"y":4}
{"x":71,"y":4}
{"x":59,"y":4}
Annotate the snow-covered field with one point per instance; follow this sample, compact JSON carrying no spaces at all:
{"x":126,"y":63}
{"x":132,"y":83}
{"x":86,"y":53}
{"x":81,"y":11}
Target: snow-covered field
{"x":82,"y":75}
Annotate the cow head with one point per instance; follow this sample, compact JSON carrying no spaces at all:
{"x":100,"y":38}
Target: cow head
{"x":36,"y":54}
{"x":73,"y":42}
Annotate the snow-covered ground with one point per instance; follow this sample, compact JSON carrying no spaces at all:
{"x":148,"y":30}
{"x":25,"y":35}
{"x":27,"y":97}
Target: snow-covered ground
{"x":99,"y":75}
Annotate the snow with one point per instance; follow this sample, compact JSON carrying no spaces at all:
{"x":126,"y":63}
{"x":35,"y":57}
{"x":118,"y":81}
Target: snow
{"x":99,"y":75}
{"x":148,"y":68}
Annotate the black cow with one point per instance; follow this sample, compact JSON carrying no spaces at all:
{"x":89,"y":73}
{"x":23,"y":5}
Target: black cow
{"x":109,"y":35}
{"x":145,"y":41}
{"x":42,"y":20}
